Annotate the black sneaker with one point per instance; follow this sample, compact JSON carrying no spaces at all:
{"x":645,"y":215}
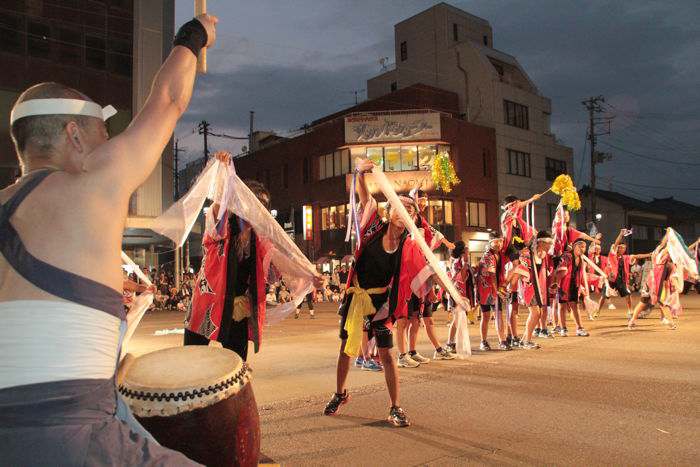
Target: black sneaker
{"x":515,"y":342}
{"x":504,"y":346}
{"x":335,"y":403}
{"x":397,"y":417}
{"x":484,"y":346}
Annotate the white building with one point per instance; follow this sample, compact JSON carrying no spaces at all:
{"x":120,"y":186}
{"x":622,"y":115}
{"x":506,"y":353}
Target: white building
{"x":451,"y":49}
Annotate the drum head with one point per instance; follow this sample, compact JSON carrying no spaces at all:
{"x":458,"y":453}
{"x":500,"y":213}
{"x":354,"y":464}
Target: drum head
{"x":178,"y":379}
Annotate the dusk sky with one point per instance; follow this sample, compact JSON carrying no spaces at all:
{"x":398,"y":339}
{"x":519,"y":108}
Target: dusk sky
{"x":296,"y":61}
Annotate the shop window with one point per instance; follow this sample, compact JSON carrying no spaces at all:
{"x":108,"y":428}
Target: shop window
{"x":554,"y":167}
{"x":376,"y":155}
{"x":409,"y":158}
{"x":440,"y":212}
{"x":404,"y":51}
{"x":345,"y":161}
{"x":518,"y":163}
{"x":334,"y":217}
{"x":426,"y":155}
{"x":38,"y":36}
{"x":69,"y":46}
{"x":516,"y":115}
{"x":476,"y":214}
{"x":95,"y":55}
{"x":357,"y":152}
{"x":392,"y":159}
{"x":12,"y":33}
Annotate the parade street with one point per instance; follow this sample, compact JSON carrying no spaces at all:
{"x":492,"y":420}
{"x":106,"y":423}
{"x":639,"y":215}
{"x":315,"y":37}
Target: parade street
{"x":618,"y":397}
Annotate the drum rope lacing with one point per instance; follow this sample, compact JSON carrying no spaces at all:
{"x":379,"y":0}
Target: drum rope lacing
{"x":142,"y":395}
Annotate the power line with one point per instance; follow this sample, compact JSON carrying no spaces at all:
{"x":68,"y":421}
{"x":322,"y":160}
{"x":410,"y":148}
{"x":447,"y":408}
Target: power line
{"x":644,"y":185}
{"x":653,"y":158}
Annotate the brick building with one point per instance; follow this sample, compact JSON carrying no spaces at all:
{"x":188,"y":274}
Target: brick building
{"x":403,"y":132}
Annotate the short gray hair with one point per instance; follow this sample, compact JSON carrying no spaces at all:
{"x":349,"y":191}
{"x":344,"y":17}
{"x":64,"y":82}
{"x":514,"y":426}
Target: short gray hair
{"x":41,"y":131}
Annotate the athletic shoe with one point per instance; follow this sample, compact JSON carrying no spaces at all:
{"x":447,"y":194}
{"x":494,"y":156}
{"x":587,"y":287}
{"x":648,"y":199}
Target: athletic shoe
{"x":358,"y":362}
{"x":397,"y":417}
{"x":631,"y":325}
{"x":515,"y":342}
{"x":611,"y":307}
{"x":536,"y":332}
{"x":504,"y":346}
{"x":580,"y":332}
{"x":443,"y":354}
{"x":419,"y":358}
{"x":451,"y":348}
{"x":484,"y":346}
{"x":313,"y":316}
{"x":405,"y":361}
{"x":563,"y":332}
{"x":670,"y":323}
{"x":335,"y":403}
{"x":529,"y":345}
{"x":371,"y":365}
{"x":296,"y":315}
{"x":556,"y":330}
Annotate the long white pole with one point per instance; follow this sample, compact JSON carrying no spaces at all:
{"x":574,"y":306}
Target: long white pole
{"x":392,"y":197}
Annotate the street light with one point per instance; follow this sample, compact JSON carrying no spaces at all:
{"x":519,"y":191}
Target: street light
{"x":274,"y":213}
{"x":598,"y":217}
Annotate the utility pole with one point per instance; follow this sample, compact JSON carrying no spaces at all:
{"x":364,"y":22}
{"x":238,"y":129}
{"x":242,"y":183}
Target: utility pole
{"x":593,"y":104}
{"x":176,"y":169}
{"x":203,"y":128}
{"x":250,"y":133}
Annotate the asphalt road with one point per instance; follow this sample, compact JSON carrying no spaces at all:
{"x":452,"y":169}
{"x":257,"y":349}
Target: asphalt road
{"x":617,"y":397}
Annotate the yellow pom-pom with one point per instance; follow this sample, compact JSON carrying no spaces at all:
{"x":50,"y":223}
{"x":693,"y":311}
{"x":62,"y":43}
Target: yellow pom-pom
{"x":571,"y":199}
{"x":562,"y":183}
{"x":443,"y":172}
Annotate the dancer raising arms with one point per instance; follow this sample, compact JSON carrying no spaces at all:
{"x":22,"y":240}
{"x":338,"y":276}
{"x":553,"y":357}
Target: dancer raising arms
{"x":388,"y":263}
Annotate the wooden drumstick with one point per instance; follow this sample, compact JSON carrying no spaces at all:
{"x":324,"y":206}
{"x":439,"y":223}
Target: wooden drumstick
{"x":200,"y":8}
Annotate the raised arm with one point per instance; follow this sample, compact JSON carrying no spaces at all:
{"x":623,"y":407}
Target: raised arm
{"x":532,"y":199}
{"x":587,"y":237}
{"x":618,"y":240}
{"x":363,"y":166}
{"x":126,"y":161}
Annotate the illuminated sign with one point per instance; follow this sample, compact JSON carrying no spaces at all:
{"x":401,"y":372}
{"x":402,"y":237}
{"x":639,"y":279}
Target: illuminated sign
{"x":393,"y":127}
{"x":403,"y":182}
{"x":308,"y":220}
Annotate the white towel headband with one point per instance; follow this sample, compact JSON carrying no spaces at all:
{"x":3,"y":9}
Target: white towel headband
{"x":34,"y":107}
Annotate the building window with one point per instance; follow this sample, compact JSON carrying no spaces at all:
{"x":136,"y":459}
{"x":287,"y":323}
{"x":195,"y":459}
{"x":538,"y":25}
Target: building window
{"x":404,"y":51}
{"x":120,"y":57}
{"x":393,"y":86}
{"x":409,"y":158}
{"x":334,"y":217}
{"x":376,"y":155}
{"x":486,"y":41}
{"x":38,"y":36}
{"x":547,"y":123}
{"x":95,"y":55}
{"x":516,"y":115}
{"x":476,"y":214}
{"x":69,"y":47}
{"x":554,"y":167}
{"x":392,"y":159}
{"x":426,"y":155}
{"x":455,"y":32}
{"x":328,"y":159}
{"x":12,"y":33}
{"x":305,"y":170}
{"x":285,"y":176}
{"x":439,"y":212}
{"x":345,"y":165}
{"x":640,"y":232}
{"x":518,"y":163}
{"x":334,"y":164}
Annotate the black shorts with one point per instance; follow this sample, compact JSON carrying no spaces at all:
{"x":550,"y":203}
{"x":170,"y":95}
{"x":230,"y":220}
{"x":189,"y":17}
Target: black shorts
{"x":429,"y":309}
{"x":621,"y":288}
{"x":375,"y":329}
{"x":488,"y":308}
{"x":416,"y":307}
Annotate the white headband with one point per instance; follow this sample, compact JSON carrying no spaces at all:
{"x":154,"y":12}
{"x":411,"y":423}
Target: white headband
{"x":34,"y":107}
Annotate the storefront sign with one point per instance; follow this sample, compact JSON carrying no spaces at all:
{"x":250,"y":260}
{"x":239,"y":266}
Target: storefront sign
{"x":308,"y":219}
{"x":403,"y":182}
{"x":372,"y":128}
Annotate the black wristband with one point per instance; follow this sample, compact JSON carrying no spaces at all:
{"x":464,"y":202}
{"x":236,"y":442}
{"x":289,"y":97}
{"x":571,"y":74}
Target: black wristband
{"x":192,"y":35}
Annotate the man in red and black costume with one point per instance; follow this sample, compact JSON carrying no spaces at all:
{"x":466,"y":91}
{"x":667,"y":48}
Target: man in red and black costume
{"x":228,"y":302}
{"x":388,"y":267}
{"x":572,"y":275}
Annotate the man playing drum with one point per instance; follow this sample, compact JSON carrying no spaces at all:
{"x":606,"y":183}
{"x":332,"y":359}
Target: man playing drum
{"x":60,"y":278}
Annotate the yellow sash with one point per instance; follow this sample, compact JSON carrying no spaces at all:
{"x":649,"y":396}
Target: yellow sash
{"x":241,"y":308}
{"x":360,"y":306}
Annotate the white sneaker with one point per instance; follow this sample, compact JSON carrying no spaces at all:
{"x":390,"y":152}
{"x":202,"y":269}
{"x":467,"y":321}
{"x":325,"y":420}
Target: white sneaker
{"x":444,"y":354}
{"x":611,"y":307}
{"x":419,"y":358}
{"x":405,"y":361}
